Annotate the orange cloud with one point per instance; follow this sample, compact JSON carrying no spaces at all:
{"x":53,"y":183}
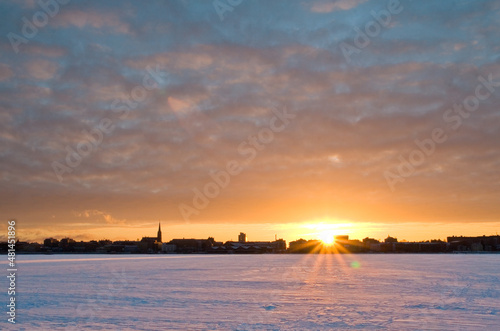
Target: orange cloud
{"x":89,"y":213}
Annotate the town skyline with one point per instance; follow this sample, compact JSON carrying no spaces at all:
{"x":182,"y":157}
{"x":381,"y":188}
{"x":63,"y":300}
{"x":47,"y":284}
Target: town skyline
{"x":322,"y":235}
{"x":327,"y":243}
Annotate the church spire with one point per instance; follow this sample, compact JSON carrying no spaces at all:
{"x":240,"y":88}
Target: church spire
{"x":158,"y":238}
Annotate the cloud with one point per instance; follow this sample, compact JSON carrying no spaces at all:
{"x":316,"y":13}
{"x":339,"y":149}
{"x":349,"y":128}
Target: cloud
{"x":5,"y":72}
{"x":331,"y":6}
{"x":38,"y":49}
{"x":108,"y":219}
{"x":94,"y":19}
{"x":41,"y":69}
{"x":29,"y":4}
{"x":199,"y":57}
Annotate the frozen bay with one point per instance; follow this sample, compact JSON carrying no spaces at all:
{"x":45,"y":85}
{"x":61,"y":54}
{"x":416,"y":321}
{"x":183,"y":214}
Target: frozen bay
{"x":255,"y":292}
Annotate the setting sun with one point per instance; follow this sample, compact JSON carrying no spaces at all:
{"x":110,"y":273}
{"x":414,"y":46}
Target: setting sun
{"x":327,"y":229}
{"x":327,"y":237}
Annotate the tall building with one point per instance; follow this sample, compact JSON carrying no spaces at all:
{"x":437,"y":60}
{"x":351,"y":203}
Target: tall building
{"x":158,"y":237}
{"x":242,"y":237}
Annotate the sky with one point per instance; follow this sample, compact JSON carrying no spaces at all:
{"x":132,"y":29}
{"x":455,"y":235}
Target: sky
{"x":285,"y":118}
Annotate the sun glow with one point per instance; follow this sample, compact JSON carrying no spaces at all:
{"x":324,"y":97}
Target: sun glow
{"x":333,"y":238}
{"x":327,"y":237}
{"x":326,"y":230}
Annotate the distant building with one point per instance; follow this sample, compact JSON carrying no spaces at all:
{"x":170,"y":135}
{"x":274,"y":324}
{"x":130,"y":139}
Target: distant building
{"x":67,"y":244}
{"x":305,"y":246}
{"x":51,"y":242}
{"x":476,"y":247}
{"x":370,"y":241}
{"x":390,"y":239}
{"x":474,"y":244}
{"x":168,"y":248}
{"x":28,"y":247}
{"x":158,"y":235}
{"x":242,"y":237}
{"x":351,"y":246}
{"x":154,"y":239}
{"x":151,"y":244}
{"x":123,"y":246}
{"x":252,"y":247}
{"x":187,"y":246}
{"x":66,"y":241}
{"x":341,"y":238}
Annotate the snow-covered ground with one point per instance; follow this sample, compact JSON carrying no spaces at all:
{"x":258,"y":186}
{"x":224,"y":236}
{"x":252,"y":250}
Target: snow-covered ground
{"x":246,"y":292}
